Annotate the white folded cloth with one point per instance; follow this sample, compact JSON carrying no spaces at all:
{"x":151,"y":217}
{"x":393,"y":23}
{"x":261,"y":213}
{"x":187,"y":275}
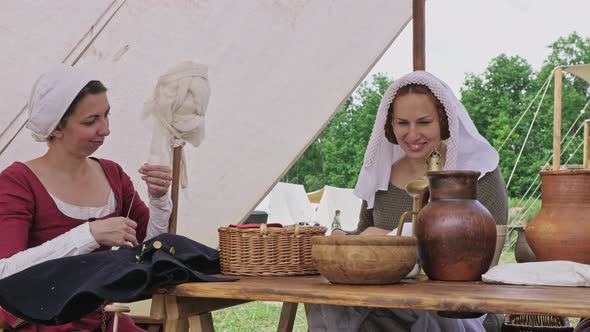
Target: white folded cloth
{"x":551,"y":273}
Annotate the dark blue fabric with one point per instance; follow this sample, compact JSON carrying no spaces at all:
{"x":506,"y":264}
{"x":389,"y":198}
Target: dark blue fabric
{"x":66,"y":289}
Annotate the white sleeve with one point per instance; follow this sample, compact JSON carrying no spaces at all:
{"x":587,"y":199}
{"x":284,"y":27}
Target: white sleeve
{"x":160,"y":210}
{"x":76,"y":241}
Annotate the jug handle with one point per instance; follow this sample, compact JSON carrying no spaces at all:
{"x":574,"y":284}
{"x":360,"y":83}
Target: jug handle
{"x":424,"y":198}
{"x":400,"y":225}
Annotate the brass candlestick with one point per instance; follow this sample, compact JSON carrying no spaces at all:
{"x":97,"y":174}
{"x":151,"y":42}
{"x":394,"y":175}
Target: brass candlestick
{"x":416,"y":187}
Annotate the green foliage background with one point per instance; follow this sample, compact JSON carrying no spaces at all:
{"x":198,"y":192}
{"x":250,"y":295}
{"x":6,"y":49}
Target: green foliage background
{"x":495,"y":99}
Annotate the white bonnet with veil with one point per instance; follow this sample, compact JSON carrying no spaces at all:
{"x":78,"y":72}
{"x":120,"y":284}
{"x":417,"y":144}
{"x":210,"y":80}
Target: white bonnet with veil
{"x":466,"y":148}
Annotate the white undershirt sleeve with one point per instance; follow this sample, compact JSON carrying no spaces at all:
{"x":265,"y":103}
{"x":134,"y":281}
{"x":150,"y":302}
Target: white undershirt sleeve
{"x":77,"y":241}
{"x":160,"y":210}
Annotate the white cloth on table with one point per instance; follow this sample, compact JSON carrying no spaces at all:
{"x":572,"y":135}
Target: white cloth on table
{"x":550,"y":273}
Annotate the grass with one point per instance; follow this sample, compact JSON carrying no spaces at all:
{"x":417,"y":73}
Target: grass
{"x":255,"y":316}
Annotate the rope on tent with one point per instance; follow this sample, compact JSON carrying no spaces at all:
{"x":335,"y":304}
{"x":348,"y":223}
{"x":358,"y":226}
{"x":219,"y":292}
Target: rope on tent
{"x":97,"y":34}
{"x":512,"y":242}
{"x":531,"y":200}
{"x":527,"y":136}
{"x":527,"y":109}
{"x":92,"y":28}
{"x":582,"y":111}
{"x":519,"y":216}
{"x":20,"y":116}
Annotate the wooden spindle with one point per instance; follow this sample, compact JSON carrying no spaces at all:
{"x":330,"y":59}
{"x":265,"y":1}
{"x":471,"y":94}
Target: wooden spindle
{"x":177,"y":156}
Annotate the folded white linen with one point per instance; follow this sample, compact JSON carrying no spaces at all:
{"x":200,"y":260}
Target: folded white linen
{"x":551,"y":273}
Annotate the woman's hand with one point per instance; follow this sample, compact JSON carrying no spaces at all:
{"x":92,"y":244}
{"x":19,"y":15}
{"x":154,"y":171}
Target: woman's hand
{"x":116,"y":231}
{"x":338,"y":232}
{"x":374,"y":231}
{"x":157,"y":178}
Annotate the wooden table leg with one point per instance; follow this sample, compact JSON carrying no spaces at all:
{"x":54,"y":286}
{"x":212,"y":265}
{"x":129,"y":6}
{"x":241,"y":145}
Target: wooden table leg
{"x":176,"y":325}
{"x":201,"y":323}
{"x":158,"y":307}
{"x":174,"y":321}
{"x":182,"y":312}
{"x":287,"y":320}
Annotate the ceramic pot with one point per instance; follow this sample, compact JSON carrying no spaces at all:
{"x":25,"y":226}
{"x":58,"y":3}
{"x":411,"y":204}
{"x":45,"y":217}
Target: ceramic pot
{"x":522,"y":251}
{"x":561,"y":229}
{"x":456,"y":233}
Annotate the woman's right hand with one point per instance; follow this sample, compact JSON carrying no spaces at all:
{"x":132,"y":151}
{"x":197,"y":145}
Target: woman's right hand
{"x":116,"y":231}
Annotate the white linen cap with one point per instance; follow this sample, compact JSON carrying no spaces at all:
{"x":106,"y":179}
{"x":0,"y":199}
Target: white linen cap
{"x":51,"y":96}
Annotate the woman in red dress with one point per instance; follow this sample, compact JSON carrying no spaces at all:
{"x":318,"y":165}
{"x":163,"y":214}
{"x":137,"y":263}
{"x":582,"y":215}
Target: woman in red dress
{"x":66,"y":202}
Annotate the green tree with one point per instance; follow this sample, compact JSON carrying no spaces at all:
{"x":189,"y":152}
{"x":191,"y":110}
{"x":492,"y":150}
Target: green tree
{"x":336,"y":155}
{"x":497,"y":98}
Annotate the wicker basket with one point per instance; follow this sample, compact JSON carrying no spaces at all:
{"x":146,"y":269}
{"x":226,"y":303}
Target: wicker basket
{"x":267,"y":251}
{"x":535,"y":323}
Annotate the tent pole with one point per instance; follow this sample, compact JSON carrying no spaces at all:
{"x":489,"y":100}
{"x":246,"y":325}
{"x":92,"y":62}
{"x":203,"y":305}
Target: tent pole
{"x":418,"y":22}
{"x":557,"y":118}
{"x":177,"y":155}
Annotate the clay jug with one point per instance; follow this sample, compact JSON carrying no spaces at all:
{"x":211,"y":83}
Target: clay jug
{"x":522,"y":250}
{"x":561,"y":229}
{"x":456,"y":233}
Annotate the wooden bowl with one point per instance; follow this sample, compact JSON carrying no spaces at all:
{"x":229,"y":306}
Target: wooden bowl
{"x":364,"y":260}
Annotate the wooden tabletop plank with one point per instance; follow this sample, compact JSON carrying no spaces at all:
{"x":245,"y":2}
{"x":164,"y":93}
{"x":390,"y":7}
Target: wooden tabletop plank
{"x":409,"y":294}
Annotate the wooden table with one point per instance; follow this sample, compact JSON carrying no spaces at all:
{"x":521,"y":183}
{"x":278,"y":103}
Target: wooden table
{"x":193,"y":299}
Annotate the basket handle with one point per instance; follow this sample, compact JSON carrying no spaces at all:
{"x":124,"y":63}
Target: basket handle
{"x":296,"y":232}
{"x":263,"y":230}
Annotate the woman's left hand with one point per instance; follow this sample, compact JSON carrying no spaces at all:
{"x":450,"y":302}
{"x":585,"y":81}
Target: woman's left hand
{"x":157,"y":178}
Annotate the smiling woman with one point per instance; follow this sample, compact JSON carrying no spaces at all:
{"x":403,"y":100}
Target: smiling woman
{"x":66,"y":202}
{"x":418,"y":114}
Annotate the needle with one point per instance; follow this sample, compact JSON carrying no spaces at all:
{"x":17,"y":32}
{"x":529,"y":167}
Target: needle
{"x":128,"y":213}
{"x":131,"y":205}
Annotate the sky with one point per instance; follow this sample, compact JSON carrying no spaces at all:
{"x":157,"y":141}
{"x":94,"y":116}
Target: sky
{"x":463,"y":36}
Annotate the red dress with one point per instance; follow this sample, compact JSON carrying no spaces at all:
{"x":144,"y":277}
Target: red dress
{"x":29,"y":217}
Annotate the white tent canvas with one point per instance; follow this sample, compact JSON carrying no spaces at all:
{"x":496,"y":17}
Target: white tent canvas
{"x":287,"y":204}
{"x":278,"y":71}
{"x":342,"y":199}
